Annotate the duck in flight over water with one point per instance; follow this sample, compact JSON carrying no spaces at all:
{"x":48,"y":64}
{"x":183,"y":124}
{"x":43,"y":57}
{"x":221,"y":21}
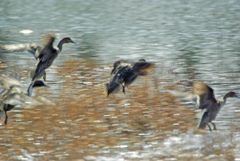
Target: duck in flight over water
{"x":45,"y":53}
{"x":204,"y":98}
{"x":32,"y":48}
{"x":48,"y":54}
{"x":13,"y":96}
{"x":125,"y":72}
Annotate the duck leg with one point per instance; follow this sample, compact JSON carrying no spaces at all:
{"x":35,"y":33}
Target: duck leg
{"x":44,"y":76}
{"x":6,"y":118}
{"x":214,"y":126}
{"x":210,"y":129}
{"x":123,"y":88}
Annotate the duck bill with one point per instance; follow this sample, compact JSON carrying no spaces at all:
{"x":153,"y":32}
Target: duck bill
{"x":46,"y":86}
{"x":237,"y":94}
{"x":74,"y":42}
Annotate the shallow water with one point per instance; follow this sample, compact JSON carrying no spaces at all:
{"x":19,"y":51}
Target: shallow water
{"x":74,"y":120}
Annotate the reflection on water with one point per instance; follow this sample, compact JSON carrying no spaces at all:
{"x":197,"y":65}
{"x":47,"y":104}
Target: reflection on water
{"x":187,"y":40}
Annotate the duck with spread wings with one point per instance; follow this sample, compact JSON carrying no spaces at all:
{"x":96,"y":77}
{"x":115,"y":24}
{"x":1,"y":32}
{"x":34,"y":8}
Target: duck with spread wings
{"x":124,"y":72}
{"x":48,"y":55}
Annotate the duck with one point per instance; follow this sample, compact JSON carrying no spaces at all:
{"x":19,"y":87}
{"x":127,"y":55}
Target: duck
{"x":48,"y":54}
{"x":204,"y":98}
{"x":7,"y":82}
{"x":124,"y":72}
{"x":32,"y":48}
{"x":15,"y":96}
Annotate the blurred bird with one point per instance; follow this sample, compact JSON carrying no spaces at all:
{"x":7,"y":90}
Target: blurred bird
{"x":32,"y":48}
{"x":125,"y":72}
{"x":7,"y":82}
{"x":48,"y":54}
{"x":45,"y":53}
{"x":14,"y":95}
{"x":204,"y":98}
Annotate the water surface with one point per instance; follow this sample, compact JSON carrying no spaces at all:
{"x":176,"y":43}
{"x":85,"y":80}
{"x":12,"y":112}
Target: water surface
{"x":187,"y":40}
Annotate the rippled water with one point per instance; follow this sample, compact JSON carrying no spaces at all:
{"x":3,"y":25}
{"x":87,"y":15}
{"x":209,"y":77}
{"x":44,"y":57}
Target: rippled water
{"x":187,"y":40}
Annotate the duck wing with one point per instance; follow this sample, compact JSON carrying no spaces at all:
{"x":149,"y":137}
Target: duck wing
{"x":48,"y":47}
{"x":126,"y":74}
{"x":207,"y":99}
{"x":7,"y":82}
{"x":122,"y":62}
{"x":13,"y":99}
{"x":36,"y":52}
{"x":205,"y":95}
{"x":122,"y":74}
{"x":184,"y":95}
{"x":114,"y":84}
{"x":115,"y":66}
{"x":32,"y":48}
{"x":143,"y":67}
{"x":129,"y":71}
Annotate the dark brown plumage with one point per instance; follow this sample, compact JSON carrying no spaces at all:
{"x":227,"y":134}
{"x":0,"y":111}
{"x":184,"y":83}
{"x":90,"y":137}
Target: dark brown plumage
{"x":125,"y":72}
{"x":48,"y":54}
{"x":203,"y":96}
{"x":212,"y":106}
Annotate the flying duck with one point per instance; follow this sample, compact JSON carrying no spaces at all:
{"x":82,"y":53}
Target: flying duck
{"x":124,"y":72}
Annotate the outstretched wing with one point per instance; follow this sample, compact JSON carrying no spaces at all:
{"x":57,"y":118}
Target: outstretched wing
{"x":115,"y":66}
{"x":126,"y":75}
{"x":205,"y":95}
{"x":48,"y":48}
{"x":207,"y":99}
{"x":13,"y":99}
{"x":32,"y":48}
{"x":143,"y":67}
{"x":121,"y":76}
{"x":36,"y":51}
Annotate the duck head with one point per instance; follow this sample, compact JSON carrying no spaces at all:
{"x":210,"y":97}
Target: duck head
{"x":37,"y":83}
{"x":232,"y":94}
{"x":68,"y":40}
